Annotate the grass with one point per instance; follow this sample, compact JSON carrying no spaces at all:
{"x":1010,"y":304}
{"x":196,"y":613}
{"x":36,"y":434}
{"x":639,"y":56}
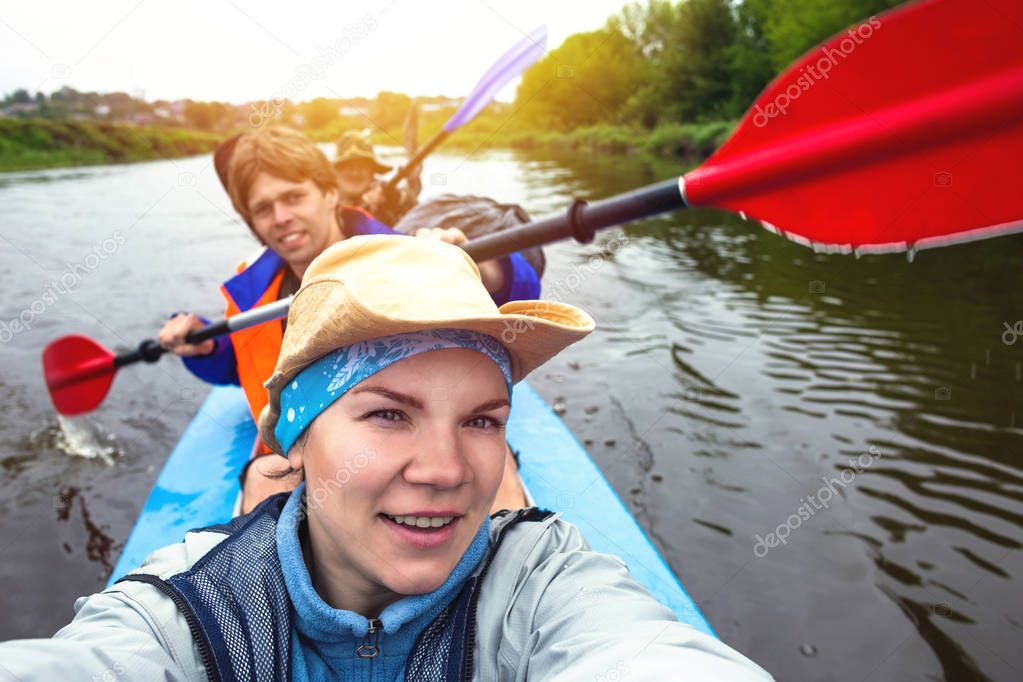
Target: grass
{"x":689,"y":140}
{"x":27,"y":144}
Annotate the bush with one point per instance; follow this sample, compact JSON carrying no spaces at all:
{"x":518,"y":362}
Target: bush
{"x":37,"y":143}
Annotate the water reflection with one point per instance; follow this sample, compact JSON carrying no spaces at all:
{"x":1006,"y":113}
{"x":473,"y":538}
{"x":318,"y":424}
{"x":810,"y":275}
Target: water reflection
{"x":99,"y":545}
{"x":806,"y":360}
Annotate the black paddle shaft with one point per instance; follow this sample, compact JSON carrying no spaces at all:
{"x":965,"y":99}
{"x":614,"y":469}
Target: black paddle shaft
{"x":150,"y":351}
{"x":581,"y":220}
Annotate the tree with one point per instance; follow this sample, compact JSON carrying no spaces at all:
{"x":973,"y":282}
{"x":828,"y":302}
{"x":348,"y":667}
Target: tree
{"x":650,"y":28}
{"x":389,"y":109}
{"x":794,"y":26}
{"x":319,"y":112}
{"x":208,"y":115}
{"x":586,"y":80}
{"x":699,"y":70}
{"x":752,"y":68}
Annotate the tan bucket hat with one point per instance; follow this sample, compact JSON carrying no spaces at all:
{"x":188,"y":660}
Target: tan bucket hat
{"x":356,"y":145}
{"x":373,"y":286}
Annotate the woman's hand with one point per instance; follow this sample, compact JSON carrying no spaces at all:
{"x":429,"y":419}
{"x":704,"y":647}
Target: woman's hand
{"x":172,"y":336}
{"x":491,"y":271}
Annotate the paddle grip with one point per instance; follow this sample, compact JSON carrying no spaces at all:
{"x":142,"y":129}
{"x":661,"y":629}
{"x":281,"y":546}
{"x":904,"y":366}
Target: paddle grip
{"x":208,"y":332}
{"x":582,"y":220}
{"x":148,"y":351}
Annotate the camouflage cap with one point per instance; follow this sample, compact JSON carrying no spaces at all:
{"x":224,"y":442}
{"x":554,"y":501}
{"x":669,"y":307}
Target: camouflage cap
{"x":355,"y":144}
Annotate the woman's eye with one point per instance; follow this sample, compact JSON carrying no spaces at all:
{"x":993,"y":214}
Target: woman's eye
{"x":294,"y":198}
{"x":484,"y":422}
{"x":387,"y":415}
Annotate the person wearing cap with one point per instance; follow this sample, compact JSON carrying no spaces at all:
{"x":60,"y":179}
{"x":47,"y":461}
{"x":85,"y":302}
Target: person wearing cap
{"x":357,"y":166}
{"x":285,"y":189}
{"x":390,"y":397}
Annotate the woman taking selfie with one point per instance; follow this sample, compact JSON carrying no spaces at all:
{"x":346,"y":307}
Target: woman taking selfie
{"x":390,"y":396}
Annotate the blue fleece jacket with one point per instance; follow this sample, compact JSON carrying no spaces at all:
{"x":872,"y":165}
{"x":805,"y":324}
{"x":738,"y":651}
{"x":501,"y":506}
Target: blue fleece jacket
{"x":325,"y":639}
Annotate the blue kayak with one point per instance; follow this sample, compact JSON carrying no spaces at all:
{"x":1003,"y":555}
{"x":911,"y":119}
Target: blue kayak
{"x":199,"y":486}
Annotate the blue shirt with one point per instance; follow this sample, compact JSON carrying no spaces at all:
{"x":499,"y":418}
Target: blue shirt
{"x":325,"y":639}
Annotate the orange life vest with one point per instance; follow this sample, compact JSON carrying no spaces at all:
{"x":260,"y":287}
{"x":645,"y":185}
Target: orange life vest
{"x":256,"y":348}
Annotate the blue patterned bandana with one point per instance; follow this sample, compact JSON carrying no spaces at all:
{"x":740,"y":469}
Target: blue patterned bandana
{"x":317,"y":386}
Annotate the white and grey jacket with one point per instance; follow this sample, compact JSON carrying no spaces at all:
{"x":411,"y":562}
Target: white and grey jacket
{"x":549,"y":608}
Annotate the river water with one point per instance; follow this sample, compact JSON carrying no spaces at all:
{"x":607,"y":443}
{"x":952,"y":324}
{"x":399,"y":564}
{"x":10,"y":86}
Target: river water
{"x":826,"y":449}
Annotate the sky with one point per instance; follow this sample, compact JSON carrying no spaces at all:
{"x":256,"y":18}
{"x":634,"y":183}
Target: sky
{"x":243,"y":50}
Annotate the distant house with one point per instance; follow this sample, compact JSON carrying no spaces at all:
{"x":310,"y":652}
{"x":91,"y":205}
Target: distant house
{"x":177,"y":110}
{"x":19,"y":109}
{"x":439,"y":105}
{"x":143,"y":118}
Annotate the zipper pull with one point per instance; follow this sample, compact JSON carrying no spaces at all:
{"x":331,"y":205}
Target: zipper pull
{"x":370,"y":649}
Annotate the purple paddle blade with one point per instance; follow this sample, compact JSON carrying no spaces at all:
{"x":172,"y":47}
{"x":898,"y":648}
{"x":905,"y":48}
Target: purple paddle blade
{"x":511,"y":64}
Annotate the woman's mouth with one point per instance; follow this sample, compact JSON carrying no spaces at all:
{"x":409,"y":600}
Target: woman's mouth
{"x":422,"y":532}
{"x":421,"y":522}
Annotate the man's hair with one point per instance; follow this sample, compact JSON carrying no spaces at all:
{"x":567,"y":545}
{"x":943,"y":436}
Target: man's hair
{"x":281,"y":152}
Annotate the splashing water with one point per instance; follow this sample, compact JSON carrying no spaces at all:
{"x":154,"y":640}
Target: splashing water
{"x":79,"y":438}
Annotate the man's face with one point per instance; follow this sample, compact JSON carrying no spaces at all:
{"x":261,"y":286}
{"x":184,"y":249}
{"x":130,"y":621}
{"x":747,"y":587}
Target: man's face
{"x":354,"y":178}
{"x":295,"y":219}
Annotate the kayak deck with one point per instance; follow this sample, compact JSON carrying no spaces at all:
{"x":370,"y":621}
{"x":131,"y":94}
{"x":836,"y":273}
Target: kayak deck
{"x":199,"y":485}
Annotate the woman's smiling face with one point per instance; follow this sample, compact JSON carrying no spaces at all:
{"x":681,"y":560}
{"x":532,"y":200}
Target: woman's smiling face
{"x":400,"y":474}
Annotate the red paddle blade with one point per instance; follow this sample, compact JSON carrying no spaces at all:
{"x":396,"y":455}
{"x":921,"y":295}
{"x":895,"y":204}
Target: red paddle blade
{"x":78,"y":373}
{"x":904,"y":132}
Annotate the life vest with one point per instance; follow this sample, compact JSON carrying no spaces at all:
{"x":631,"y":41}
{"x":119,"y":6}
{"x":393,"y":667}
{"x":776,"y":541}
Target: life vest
{"x":237,"y":607}
{"x":256,"y":348}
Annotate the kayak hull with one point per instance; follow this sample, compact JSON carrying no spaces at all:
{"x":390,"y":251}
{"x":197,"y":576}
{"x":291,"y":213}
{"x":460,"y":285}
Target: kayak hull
{"x":199,"y":486}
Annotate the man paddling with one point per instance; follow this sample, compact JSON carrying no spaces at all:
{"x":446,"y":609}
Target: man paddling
{"x":357,"y":166}
{"x":284,"y":188}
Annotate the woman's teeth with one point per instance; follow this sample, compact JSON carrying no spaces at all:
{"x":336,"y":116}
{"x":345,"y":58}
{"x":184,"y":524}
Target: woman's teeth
{"x":289,"y":238}
{"x":422,"y":521}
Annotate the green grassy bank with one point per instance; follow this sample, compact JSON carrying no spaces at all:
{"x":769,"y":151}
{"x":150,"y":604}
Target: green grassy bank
{"x":27,"y":144}
{"x":673,"y":140}
{"x":497,"y":130}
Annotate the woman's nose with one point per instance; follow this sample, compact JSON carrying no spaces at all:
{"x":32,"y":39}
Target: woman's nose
{"x":438,"y":461}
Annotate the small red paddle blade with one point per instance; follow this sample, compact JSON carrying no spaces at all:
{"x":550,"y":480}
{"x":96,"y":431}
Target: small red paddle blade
{"x":904,"y":132}
{"x":78,"y":373}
